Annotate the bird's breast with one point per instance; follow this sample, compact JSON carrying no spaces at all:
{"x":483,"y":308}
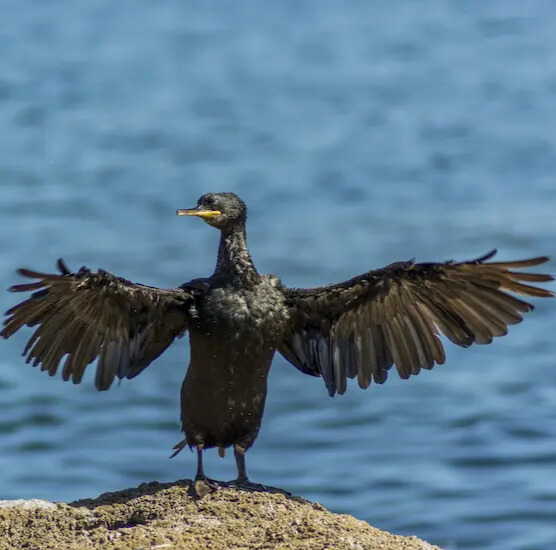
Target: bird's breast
{"x":257,"y":314}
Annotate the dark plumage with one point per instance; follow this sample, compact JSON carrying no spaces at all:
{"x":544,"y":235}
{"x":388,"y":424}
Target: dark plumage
{"x":237,"y":319}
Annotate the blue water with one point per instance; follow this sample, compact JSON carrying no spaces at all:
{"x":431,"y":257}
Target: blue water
{"x":359,"y":134}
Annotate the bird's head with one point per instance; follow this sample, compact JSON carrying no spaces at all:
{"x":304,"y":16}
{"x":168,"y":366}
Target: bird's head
{"x":220,"y":210}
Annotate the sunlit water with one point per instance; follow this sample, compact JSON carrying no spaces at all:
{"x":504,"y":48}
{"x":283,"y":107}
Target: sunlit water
{"x":358,"y":134}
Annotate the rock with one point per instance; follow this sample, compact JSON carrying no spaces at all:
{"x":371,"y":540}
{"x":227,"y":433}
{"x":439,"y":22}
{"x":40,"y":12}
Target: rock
{"x":156,"y":516}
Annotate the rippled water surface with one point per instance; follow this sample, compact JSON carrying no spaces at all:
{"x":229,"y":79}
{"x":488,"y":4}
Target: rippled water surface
{"x":359,"y":134}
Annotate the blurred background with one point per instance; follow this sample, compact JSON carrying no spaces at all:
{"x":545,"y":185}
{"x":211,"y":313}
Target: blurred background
{"x":359,"y":134}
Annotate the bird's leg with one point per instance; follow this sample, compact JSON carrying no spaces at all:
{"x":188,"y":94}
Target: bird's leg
{"x":200,"y":473}
{"x":239,"y":453}
{"x":242,"y":481}
{"x":202,"y":484}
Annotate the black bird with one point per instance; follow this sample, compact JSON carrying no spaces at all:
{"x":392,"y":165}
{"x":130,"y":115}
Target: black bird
{"x":237,"y":319}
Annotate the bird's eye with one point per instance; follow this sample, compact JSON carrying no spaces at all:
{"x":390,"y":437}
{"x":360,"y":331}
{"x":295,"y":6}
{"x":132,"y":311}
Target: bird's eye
{"x":205,"y":201}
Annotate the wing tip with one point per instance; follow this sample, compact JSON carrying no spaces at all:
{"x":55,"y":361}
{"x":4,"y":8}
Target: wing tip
{"x":30,"y":274}
{"x":529,"y":262}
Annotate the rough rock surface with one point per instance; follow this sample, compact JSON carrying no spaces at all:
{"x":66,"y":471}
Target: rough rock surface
{"x":163,"y":516}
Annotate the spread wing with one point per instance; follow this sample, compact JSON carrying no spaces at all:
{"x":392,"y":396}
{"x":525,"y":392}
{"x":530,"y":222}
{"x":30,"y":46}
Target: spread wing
{"x":85,"y":315}
{"x":361,"y":327}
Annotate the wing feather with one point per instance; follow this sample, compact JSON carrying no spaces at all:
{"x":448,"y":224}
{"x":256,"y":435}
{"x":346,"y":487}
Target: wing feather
{"x":361,"y":327}
{"x":88,"y":315}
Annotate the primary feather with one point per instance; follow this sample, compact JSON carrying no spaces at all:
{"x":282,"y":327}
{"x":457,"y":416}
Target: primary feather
{"x":84,"y":316}
{"x":393,"y":316}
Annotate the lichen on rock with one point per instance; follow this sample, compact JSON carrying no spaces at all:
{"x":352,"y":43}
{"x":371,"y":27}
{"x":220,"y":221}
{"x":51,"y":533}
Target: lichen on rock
{"x":157,"y":516}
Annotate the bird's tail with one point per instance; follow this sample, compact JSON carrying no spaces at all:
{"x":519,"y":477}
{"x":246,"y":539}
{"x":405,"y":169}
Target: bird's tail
{"x":179,"y":447}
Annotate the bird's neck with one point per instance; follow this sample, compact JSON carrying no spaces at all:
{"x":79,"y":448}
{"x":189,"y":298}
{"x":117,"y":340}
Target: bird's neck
{"x":234,"y":262}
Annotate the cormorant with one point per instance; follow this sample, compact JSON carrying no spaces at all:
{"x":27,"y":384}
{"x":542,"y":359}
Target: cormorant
{"x":237,"y":319}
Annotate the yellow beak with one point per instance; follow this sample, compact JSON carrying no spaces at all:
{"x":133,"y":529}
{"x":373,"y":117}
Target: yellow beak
{"x":205,"y":214}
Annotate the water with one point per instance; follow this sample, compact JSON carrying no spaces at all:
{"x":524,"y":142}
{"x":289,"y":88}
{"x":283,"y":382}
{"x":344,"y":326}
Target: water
{"x":358,"y":135}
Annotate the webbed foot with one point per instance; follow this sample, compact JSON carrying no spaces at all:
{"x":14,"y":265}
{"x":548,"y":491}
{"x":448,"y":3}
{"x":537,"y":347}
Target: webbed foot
{"x":246,"y":485}
{"x":202,"y":486}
